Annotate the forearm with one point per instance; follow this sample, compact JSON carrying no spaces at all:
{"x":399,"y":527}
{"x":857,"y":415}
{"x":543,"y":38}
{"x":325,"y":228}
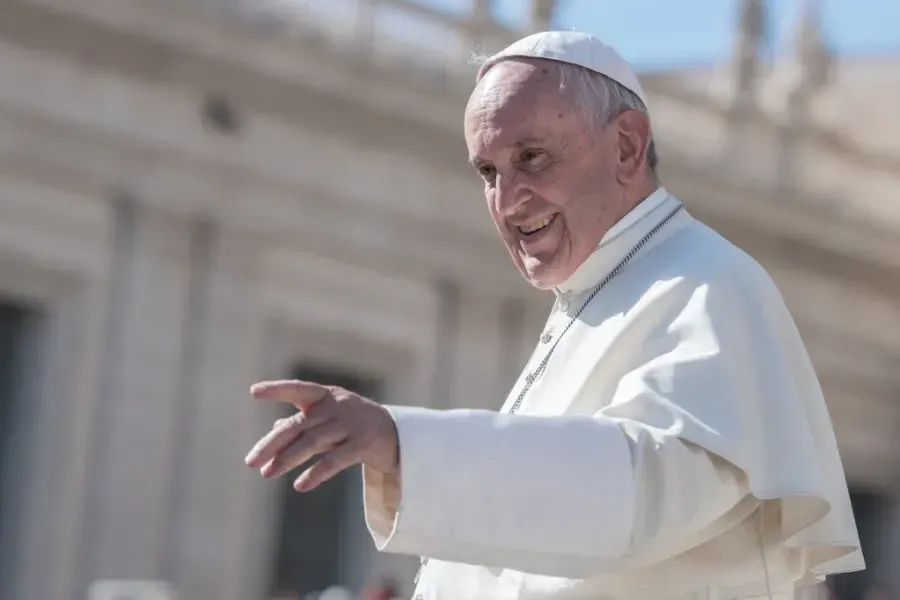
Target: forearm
{"x":562,"y":496}
{"x":477,"y":486}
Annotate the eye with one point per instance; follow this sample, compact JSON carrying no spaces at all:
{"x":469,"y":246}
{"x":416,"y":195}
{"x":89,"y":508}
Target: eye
{"x":532,"y":158}
{"x":487,"y":172}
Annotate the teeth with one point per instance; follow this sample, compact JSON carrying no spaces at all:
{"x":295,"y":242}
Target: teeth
{"x":537,"y":225}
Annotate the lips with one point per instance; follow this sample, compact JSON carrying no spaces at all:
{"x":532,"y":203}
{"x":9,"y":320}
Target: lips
{"x":536,"y":226}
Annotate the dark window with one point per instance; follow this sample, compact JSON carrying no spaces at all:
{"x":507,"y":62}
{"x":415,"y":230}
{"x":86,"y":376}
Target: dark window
{"x":872,"y":512}
{"x":16,"y":326}
{"x":312,"y":529}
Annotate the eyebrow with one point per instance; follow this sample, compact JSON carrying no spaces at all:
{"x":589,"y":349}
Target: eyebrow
{"x":475,"y":161}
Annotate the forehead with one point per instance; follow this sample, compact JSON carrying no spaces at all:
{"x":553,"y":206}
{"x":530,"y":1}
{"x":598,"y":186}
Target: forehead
{"x":516,"y":100}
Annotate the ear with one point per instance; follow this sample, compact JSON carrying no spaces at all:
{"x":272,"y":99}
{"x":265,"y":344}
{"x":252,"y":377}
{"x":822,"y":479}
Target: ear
{"x":633,"y":139}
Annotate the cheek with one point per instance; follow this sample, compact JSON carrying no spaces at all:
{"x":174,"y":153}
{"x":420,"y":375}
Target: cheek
{"x":543,"y":187}
{"x":558,"y":192}
{"x":580,"y":191}
{"x":492,"y":209}
{"x":489,"y":200}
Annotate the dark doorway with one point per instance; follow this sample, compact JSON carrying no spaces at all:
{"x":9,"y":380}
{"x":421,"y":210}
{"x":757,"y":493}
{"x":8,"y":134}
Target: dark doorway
{"x":873,"y":514}
{"x":18,"y":328}
{"x":312,"y":532}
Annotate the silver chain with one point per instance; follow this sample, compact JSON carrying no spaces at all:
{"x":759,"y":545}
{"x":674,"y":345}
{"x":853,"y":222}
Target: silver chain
{"x":531,"y":377}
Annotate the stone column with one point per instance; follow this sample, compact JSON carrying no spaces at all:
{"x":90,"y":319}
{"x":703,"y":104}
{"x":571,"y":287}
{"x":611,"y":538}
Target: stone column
{"x":542,"y":14}
{"x":213,"y":494}
{"x":472,"y":38}
{"x":132,"y":433}
{"x":513,"y":315}
{"x":446,"y":345}
{"x":63,"y":410}
{"x":750,"y":35}
{"x":478,"y":375}
{"x":812,"y":61}
{"x":746,"y":73}
{"x":536,"y":315}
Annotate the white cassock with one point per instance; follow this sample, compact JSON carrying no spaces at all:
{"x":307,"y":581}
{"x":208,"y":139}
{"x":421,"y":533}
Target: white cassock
{"x":676,"y":446}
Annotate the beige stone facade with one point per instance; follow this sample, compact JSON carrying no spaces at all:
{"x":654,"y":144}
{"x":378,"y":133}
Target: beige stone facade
{"x":193,"y":199}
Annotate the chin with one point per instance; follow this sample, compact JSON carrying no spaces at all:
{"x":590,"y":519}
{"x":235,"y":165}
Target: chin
{"x":542,"y":277}
{"x":539,"y":284}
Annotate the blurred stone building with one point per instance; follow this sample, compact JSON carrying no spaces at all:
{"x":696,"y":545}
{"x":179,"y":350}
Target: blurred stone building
{"x":195,"y":194}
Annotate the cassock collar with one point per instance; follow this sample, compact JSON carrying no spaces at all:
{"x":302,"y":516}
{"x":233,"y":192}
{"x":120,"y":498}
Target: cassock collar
{"x":635,"y":224}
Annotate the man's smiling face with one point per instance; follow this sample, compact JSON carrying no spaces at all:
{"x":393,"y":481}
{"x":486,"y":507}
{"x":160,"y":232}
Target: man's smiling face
{"x":550,"y":176}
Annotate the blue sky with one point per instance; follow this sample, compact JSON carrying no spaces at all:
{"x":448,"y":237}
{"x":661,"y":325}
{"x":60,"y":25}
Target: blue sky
{"x":660,"y":33}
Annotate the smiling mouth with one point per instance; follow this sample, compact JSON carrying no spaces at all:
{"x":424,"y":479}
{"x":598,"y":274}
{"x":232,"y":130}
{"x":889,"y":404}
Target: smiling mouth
{"x":537,"y":226}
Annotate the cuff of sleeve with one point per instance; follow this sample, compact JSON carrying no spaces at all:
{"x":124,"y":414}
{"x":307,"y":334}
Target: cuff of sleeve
{"x":480,"y":480}
{"x":381,"y":499}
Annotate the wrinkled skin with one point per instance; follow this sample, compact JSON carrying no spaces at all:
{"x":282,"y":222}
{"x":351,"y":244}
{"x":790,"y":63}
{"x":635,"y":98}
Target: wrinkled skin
{"x":338,"y":427}
{"x":540,"y":157}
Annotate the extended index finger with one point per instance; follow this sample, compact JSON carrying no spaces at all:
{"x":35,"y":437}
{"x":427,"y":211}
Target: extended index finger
{"x":290,"y":391}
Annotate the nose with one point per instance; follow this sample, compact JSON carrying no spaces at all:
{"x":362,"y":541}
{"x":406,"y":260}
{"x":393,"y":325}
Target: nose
{"x":509,"y":195}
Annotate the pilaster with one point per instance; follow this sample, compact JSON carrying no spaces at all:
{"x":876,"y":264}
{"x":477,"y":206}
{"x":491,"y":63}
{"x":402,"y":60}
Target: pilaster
{"x":132,"y":430}
{"x":53,"y":257}
{"x":210,"y":493}
{"x":479,"y":363}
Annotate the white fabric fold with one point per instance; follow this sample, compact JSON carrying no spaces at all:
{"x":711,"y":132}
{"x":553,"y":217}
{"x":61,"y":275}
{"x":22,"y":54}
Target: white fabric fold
{"x":477,"y":485}
{"x":729,"y":373}
{"x":689,"y":364}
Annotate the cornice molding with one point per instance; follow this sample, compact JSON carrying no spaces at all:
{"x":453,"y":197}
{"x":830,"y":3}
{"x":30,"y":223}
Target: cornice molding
{"x":133,"y":56}
{"x":276,"y":213}
{"x":401,"y":91}
{"x":156,"y":38}
{"x":739,"y":208}
{"x":750,"y":211}
{"x":667,"y":87}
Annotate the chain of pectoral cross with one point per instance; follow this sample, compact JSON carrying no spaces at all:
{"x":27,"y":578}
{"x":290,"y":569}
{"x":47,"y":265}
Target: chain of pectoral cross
{"x":531,"y":377}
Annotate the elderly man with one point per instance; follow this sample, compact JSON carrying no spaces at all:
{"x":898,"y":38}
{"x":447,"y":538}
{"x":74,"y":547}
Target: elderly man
{"x":667,"y":439}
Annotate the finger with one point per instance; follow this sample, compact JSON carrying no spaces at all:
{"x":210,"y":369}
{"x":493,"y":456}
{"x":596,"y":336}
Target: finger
{"x":331,"y":463}
{"x":283,"y":433}
{"x":312,"y":443}
{"x":298,"y":393}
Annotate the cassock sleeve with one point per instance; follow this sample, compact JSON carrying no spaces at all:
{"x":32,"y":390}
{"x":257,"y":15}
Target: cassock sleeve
{"x":713,"y":411}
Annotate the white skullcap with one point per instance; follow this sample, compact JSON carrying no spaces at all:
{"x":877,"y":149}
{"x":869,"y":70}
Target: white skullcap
{"x":574,"y":48}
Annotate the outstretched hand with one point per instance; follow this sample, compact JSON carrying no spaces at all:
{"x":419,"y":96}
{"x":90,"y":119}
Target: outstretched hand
{"x":337,"y":426}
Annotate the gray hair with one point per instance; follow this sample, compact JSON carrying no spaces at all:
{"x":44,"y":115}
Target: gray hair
{"x":600,"y":98}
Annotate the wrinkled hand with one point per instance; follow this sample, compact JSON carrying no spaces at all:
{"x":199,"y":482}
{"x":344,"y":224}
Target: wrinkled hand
{"x":337,"y":426}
